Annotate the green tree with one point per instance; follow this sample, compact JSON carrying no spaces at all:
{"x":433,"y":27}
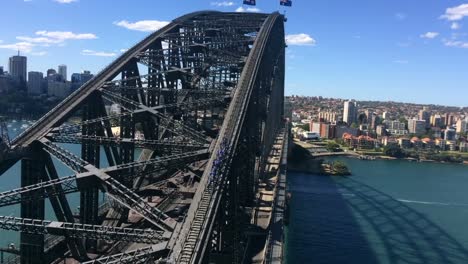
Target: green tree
{"x":306,"y":127}
{"x":394,"y":151}
{"x":332,"y":146}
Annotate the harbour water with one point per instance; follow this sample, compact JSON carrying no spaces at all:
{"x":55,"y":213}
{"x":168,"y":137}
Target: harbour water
{"x":387,"y":212}
{"x":11,"y":180}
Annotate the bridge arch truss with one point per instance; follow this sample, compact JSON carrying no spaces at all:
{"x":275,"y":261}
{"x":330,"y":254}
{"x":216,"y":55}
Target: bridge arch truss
{"x":174,"y":133}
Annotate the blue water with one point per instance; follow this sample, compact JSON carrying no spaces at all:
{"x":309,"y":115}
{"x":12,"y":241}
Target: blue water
{"x":387,"y":212}
{"x":12,"y":179}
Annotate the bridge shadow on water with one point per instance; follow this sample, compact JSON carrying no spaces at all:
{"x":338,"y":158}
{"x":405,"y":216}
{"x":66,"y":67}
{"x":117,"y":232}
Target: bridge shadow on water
{"x":332,"y":227}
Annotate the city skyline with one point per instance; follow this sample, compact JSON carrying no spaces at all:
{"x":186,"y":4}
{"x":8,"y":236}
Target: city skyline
{"x":407,"y":52}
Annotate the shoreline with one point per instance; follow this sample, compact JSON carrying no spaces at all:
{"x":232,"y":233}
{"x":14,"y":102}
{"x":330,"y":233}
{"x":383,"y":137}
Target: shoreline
{"x":409,"y":159}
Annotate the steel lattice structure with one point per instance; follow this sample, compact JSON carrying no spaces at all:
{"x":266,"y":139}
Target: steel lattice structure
{"x":184,"y":121}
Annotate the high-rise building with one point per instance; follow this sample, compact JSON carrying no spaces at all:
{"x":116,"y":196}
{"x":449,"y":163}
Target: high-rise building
{"x":437,"y":120}
{"x":78,"y":79}
{"x":450,"y":120}
{"x":58,"y":89}
{"x":51,"y":72}
{"x":461,"y":126}
{"x":425,"y":115}
{"x":35,"y":80}
{"x":350,"y":112}
{"x":449,"y":134}
{"x":416,"y":126}
{"x":18,"y":67}
{"x":62,"y":71}
{"x":328,"y":116}
{"x":1,"y":70}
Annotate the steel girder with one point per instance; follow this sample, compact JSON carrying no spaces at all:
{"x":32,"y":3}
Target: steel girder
{"x":190,"y":248}
{"x":74,"y":230}
{"x":203,"y":79}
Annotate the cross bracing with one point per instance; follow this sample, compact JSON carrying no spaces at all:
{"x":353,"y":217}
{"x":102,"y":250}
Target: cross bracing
{"x":174,"y":132}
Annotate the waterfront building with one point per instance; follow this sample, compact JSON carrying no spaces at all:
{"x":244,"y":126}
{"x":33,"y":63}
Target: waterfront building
{"x":315,"y":126}
{"x":428,"y":143}
{"x":389,"y":141}
{"x":416,"y":142}
{"x":416,"y":126}
{"x":350,"y":112}
{"x":18,"y":67}
{"x":35,"y":80}
{"x":365,"y":142}
{"x":451,"y":145}
{"x":463,"y":146}
{"x":441,"y":143}
{"x":341,"y":130}
{"x":449,"y":134}
{"x":62,"y":71}
{"x":404,"y":143}
{"x":328,"y":131}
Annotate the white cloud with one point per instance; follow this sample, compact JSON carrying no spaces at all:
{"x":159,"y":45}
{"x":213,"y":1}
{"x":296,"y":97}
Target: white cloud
{"x":403,"y":44}
{"x":41,"y":40}
{"x":65,"y":1}
{"x":87,"y":52}
{"x":300,"y":39}
{"x":64,"y":35}
{"x":455,"y":26}
{"x":123,"y":50}
{"x":143,"y":25}
{"x":456,"y":43}
{"x":39,"y":53}
{"x":222,"y":4}
{"x":248,"y":9}
{"x":401,"y":61}
{"x":400,"y":16}
{"x":429,"y":35}
{"x":21,"y":46}
{"x":456,"y":13}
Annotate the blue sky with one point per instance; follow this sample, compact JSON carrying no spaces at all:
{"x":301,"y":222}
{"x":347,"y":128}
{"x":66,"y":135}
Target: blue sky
{"x":410,"y":51}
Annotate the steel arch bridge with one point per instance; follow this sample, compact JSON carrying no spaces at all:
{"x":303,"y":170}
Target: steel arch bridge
{"x":174,"y":133}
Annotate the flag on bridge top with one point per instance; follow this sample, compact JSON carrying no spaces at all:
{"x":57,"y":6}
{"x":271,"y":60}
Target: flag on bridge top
{"x":286,"y":2}
{"x":249,"y":2}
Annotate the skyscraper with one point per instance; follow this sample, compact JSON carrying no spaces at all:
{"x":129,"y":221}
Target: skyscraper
{"x":51,"y":72}
{"x":350,"y":112}
{"x":35,"y":80}
{"x":425,"y":115}
{"x":62,"y":70}
{"x":18,"y":67}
